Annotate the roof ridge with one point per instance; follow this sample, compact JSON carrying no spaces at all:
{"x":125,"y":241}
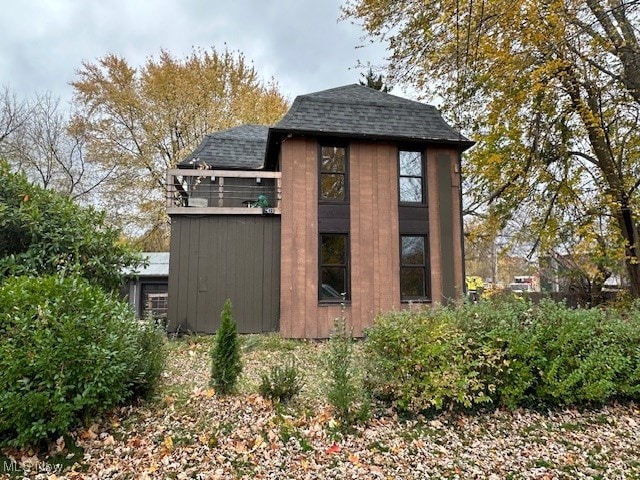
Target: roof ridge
{"x":405,"y":102}
{"x":362,"y":95}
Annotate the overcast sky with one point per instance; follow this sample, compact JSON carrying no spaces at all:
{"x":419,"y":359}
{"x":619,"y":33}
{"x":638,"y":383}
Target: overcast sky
{"x":300,"y":43}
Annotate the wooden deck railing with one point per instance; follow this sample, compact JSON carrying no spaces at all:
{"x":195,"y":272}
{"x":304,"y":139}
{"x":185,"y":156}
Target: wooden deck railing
{"x":245,"y":192}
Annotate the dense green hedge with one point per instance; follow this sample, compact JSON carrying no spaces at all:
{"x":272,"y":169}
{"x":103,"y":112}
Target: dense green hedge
{"x":68,"y":351}
{"x":504,"y":353}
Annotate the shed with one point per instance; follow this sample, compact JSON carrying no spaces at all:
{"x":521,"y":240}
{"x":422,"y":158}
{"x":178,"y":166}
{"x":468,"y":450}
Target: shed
{"x":147,"y":288}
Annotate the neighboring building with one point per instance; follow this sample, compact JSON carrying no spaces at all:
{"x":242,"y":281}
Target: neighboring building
{"x":525,"y":283}
{"x":147,"y":287}
{"x":352,"y":199}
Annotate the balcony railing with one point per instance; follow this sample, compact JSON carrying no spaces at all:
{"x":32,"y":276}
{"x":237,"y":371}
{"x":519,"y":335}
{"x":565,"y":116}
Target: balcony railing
{"x":223,"y":192}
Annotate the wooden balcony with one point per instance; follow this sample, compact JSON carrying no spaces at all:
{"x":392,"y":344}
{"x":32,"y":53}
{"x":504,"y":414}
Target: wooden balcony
{"x":223,"y":192}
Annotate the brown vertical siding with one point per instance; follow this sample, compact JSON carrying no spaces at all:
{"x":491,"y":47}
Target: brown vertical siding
{"x":216,"y":257}
{"x":447,"y":220}
{"x":458,"y":252}
{"x":433,"y":197}
{"x":299,"y":237}
{"x":388,"y":232}
{"x":374,"y":238}
{"x":374,"y":232}
{"x":444,"y":193}
{"x":239,"y":257}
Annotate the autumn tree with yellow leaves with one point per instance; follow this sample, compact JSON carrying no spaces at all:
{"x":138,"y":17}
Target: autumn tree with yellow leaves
{"x":551,"y":91}
{"x":141,"y":121}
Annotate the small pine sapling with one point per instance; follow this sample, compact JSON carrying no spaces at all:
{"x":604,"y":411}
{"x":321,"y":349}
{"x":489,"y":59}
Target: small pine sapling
{"x":226,"y":365}
{"x":282,"y":383}
{"x":345,"y":391}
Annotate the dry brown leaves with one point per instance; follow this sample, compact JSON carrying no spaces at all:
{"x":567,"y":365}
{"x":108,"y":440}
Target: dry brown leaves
{"x":189,"y":432}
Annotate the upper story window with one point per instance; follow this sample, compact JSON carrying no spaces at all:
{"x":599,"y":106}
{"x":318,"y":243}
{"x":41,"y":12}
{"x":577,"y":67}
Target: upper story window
{"x":333,"y":173}
{"x":411,"y":168}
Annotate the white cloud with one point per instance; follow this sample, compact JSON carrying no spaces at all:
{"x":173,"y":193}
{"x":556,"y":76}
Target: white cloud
{"x":300,"y":43}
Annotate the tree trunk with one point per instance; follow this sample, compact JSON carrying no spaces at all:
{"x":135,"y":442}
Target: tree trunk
{"x":588,"y":108}
{"x":626,"y":221}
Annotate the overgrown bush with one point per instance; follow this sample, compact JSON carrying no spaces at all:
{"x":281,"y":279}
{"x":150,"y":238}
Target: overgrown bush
{"x":150,"y":341}
{"x":282,"y":382}
{"x":585,"y":355}
{"x":506,"y":353}
{"x":423,"y":360}
{"x":68,"y":351}
{"x":226,"y":365}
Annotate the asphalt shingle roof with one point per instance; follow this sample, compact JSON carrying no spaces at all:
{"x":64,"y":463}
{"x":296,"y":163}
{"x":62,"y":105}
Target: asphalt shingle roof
{"x":349,"y":111}
{"x":359,"y":111}
{"x":241,"y":147}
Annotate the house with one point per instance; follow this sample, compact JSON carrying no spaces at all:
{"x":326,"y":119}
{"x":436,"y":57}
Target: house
{"x":350,"y":205}
{"x":147,"y":288}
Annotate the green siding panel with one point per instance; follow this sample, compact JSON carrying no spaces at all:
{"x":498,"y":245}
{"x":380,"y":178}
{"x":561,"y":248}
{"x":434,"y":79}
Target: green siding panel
{"x":224,"y":256}
{"x":446,"y":226}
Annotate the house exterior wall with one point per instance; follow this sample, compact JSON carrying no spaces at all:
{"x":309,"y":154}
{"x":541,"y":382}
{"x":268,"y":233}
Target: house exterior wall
{"x":374,"y":234}
{"x":215,"y":257}
{"x":445,"y":224}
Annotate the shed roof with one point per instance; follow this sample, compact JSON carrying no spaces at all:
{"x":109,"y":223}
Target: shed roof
{"x":158,"y":265}
{"x":240,"y":147}
{"x":359,"y":111}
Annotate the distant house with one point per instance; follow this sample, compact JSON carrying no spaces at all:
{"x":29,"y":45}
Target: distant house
{"x":147,"y":287}
{"x":351,"y":203}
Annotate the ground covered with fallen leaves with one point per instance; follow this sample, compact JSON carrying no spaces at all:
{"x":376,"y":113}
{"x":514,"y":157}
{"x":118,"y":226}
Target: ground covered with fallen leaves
{"x":187,"y":431}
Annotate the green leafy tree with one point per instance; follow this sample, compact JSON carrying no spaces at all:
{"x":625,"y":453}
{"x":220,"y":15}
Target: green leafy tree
{"x":226,"y":364}
{"x":43,"y":232}
{"x":551,"y":91}
{"x":140,"y":122}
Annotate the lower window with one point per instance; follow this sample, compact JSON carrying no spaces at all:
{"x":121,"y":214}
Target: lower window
{"x":334,"y":267}
{"x":414,"y":279}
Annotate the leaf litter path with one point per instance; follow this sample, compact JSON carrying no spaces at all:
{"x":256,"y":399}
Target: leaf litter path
{"x":189,"y":432}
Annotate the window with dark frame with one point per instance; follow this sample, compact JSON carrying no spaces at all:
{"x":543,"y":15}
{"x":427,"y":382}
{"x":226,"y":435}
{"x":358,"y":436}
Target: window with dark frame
{"x":334,"y":267}
{"x":153,"y":299}
{"x":414,"y":280}
{"x":411,"y":178}
{"x":333,"y":173}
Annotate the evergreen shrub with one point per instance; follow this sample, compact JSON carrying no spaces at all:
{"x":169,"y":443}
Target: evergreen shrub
{"x":226,"y":364}
{"x":68,"y":351}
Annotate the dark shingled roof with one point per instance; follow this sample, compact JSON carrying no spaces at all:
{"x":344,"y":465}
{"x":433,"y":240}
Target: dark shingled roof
{"x":351,"y":111}
{"x":359,"y":111}
{"x":242,"y":147}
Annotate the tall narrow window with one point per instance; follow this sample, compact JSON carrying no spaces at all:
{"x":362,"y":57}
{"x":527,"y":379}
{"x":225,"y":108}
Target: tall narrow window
{"x":333,"y":173}
{"x":334,"y":267}
{"x":411,"y":176}
{"x":414,"y":280}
